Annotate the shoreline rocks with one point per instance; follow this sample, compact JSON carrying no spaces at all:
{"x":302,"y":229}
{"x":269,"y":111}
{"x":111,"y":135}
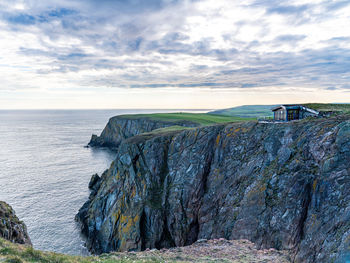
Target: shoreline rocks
{"x":122,"y":127}
{"x":281,"y":186}
{"x":11,"y":228}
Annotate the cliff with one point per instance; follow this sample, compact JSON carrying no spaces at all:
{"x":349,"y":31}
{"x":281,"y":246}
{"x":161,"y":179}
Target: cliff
{"x":122,"y":127}
{"x":203,"y":251}
{"x":283,"y":186}
{"x":11,"y":228}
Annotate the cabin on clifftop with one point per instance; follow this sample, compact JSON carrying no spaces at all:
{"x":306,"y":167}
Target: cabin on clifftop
{"x":292,"y":112}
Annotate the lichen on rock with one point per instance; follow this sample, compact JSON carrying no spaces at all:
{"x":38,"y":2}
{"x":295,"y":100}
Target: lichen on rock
{"x":11,"y":228}
{"x":282,"y":186}
{"x":122,"y":127}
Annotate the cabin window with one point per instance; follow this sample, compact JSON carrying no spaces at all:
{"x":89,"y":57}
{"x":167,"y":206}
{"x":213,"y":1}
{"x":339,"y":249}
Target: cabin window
{"x":293,"y":115}
{"x":279,"y":115}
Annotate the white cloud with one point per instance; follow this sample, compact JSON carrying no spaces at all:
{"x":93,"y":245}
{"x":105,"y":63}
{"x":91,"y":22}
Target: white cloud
{"x":79,"y":46}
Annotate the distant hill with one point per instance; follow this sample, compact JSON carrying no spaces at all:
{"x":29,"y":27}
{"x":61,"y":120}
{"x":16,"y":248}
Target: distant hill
{"x":246,"y":111}
{"x":255,"y":111}
{"x":336,"y":107}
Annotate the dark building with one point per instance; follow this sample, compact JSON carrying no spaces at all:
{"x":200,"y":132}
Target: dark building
{"x":292,"y":112}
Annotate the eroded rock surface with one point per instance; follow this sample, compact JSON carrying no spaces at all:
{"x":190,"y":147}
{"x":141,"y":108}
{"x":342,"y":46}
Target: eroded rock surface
{"x":122,"y":127}
{"x":283,"y":186}
{"x":11,"y":228}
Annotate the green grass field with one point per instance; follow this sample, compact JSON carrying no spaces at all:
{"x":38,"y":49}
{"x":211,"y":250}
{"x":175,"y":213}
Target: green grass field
{"x":247,"y":111}
{"x":344,"y":108}
{"x":13,"y":253}
{"x":213,"y":251}
{"x":256,"y":111}
{"x":199,"y":118}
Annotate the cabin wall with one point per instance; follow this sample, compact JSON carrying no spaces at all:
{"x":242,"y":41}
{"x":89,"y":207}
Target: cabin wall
{"x":280,"y":115}
{"x":292,"y":113}
{"x":304,"y":114}
{"x":308,"y":114}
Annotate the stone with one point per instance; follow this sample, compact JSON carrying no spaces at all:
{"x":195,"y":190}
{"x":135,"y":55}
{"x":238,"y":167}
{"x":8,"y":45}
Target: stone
{"x":282,"y":186}
{"x":201,"y":241}
{"x":121,"y":127}
{"x":93,"y":181}
{"x":11,"y":228}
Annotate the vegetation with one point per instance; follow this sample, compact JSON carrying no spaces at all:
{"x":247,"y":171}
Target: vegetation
{"x":199,"y":118}
{"x":341,"y":108}
{"x":170,"y":129}
{"x":247,"y":111}
{"x":13,"y":253}
{"x":211,"y":251}
{"x":251,"y":111}
{"x":236,"y":114}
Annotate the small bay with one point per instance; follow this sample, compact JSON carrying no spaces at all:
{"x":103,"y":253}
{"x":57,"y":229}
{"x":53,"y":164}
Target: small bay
{"x":45,"y":170}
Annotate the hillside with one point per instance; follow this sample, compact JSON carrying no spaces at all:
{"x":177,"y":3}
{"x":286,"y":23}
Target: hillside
{"x":213,"y":251}
{"x":122,"y":127}
{"x":246,"y":111}
{"x":256,"y":111}
{"x":11,"y":228}
{"x":334,"y":107}
{"x":282,"y":186}
{"x":201,"y":119}
{"x":15,"y":247}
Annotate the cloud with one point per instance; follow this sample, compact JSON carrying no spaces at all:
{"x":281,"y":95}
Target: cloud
{"x":288,"y":9}
{"x":23,"y":19}
{"x":336,"y":5}
{"x":183,"y":44}
{"x":290,"y":38}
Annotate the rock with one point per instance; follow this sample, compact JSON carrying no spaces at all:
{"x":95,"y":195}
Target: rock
{"x":283,"y":186}
{"x":96,"y":141}
{"x":201,"y":241}
{"x":93,"y":181}
{"x":11,"y":228}
{"x":122,"y":127}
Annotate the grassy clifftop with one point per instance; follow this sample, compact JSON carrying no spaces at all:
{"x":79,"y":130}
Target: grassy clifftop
{"x":122,"y":127}
{"x":246,"y":111}
{"x":213,"y":251}
{"x":198,"y":118}
{"x":342,"y":108}
{"x":251,"y":111}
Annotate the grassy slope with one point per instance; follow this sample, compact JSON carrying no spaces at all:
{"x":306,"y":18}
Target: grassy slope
{"x":200,"y":118}
{"x":344,"y":108}
{"x":247,"y":111}
{"x":213,"y":251}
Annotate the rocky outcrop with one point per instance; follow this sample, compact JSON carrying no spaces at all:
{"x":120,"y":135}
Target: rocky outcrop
{"x":283,"y":186}
{"x":122,"y":127}
{"x":11,"y":228}
{"x":203,"y":251}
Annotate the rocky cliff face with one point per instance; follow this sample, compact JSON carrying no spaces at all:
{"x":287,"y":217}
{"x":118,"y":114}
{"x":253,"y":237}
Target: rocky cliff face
{"x":11,"y":228}
{"x":285,"y":186}
{"x":122,"y":127}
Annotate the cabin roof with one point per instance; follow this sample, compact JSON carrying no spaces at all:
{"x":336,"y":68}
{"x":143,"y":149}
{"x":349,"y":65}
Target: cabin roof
{"x":288,"y":107}
{"x":295,"y":107}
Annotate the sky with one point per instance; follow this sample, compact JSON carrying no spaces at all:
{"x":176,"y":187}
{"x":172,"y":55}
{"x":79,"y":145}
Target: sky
{"x":168,"y":54}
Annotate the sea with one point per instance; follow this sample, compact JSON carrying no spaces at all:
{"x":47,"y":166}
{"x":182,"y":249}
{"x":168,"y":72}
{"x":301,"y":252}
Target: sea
{"x":45,"y":170}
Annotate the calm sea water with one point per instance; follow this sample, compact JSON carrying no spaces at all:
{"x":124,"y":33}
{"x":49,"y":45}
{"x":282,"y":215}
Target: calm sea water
{"x":45,"y":170}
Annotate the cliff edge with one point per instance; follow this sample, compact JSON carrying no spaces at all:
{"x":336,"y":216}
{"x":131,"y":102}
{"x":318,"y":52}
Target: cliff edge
{"x":122,"y":127}
{"x":203,"y":251}
{"x":284,"y":186}
{"x":11,"y":228}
